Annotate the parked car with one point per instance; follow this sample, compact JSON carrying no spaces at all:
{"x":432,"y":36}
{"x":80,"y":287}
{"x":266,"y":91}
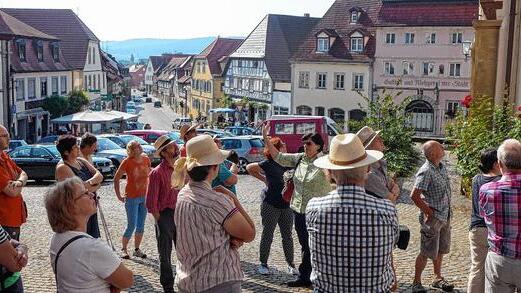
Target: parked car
{"x":178,"y":122}
{"x":214,"y":132}
{"x":122,"y":140}
{"x":39,"y":162}
{"x":291,"y":128}
{"x":249,"y":148}
{"x":148,"y":99}
{"x":15,"y":143}
{"x":240,"y":130}
{"x":157,"y":104}
{"x":145,"y":94}
{"x":110,"y":150}
{"x":150,"y":135}
{"x":50,"y":139}
{"x":133,"y":125}
{"x":138,"y":100}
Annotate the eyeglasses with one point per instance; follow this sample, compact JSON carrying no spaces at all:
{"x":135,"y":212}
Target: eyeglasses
{"x":86,"y":194}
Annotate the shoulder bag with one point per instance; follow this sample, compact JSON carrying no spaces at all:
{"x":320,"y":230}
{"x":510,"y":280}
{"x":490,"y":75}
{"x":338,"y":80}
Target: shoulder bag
{"x":289,"y":185}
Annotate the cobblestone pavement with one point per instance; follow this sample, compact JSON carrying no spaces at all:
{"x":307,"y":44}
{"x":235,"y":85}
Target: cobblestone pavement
{"x":38,"y":276}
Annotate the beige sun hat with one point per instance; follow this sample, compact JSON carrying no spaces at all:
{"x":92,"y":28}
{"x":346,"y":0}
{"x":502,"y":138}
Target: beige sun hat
{"x":161,"y":143}
{"x":202,"y":151}
{"x":185,"y":129}
{"x":347,"y":152}
{"x":367,"y":135}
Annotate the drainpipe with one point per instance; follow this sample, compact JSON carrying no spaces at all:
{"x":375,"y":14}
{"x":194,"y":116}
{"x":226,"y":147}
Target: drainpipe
{"x":510,"y":47}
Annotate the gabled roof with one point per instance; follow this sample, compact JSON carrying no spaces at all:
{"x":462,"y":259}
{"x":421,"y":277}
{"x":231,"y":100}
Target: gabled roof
{"x":168,"y":70}
{"x":329,"y":32}
{"x":218,"y":49}
{"x":31,"y":63}
{"x":338,"y":18}
{"x":275,"y":39}
{"x":10,"y":27}
{"x":63,"y":24}
{"x":428,"y":13}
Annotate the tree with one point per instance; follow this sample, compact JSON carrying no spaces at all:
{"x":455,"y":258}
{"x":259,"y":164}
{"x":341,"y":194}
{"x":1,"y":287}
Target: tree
{"x":56,"y":105}
{"x":77,"y":101}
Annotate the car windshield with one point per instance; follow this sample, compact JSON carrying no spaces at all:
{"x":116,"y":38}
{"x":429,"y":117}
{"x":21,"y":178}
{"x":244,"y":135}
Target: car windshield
{"x":176,"y":137}
{"x":256,"y":143}
{"x":107,"y":144}
{"x":337,"y":128}
{"x":53,"y":150}
{"x":129,"y":138}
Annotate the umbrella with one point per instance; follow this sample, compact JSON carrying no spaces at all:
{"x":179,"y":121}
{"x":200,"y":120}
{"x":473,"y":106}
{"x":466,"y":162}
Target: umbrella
{"x":122,"y":115}
{"x":222,"y":110}
{"x":90,"y":116}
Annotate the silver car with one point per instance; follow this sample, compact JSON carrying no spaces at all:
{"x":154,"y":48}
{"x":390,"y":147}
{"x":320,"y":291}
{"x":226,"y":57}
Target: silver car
{"x":249,"y":148}
{"x":123,"y":139}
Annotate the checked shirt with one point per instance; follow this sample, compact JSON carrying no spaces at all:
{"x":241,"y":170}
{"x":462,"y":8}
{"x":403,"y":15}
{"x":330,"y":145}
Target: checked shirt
{"x":500,"y":206}
{"x":351,"y":238}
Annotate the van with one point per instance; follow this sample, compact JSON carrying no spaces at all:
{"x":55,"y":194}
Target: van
{"x":291,"y":128}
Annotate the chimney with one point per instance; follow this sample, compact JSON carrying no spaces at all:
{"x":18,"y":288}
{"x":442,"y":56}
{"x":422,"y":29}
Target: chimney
{"x":306,"y":15}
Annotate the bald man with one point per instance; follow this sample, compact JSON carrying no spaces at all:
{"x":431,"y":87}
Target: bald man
{"x":432,"y":195}
{"x":12,"y":180}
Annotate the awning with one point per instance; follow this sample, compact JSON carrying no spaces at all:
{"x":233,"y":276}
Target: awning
{"x":222,"y":110}
{"x":31,"y":112}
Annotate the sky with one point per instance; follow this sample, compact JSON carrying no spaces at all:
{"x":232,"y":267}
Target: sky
{"x":115,"y":20}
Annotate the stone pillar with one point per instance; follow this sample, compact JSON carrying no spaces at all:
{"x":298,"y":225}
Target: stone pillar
{"x":485,"y":57}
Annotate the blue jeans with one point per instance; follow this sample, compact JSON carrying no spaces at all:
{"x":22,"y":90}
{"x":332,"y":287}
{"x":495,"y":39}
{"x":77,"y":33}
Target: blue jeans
{"x":136,"y":215}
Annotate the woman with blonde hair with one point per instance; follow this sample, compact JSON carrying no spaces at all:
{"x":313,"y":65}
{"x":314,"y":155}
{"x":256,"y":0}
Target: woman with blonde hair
{"x":80,"y":262}
{"x":211,"y":224}
{"x":137,"y":168}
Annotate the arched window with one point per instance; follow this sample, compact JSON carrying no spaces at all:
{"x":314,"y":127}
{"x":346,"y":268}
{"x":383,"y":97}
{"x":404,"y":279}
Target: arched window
{"x":338,"y":115}
{"x":357,"y":115}
{"x":320,"y":111}
{"x":304,"y":110}
{"x":422,"y":115}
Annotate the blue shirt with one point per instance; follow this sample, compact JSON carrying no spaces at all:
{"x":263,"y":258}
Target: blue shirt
{"x":224,"y":174}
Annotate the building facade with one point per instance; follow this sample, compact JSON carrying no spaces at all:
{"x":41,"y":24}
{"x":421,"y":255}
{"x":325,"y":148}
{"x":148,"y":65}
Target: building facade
{"x":137,"y":74}
{"x":259,"y":69}
{"x":419,"y":53}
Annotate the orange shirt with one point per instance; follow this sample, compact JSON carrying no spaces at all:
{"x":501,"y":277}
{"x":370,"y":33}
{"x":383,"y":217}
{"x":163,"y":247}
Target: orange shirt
{"x":137,"y":176}
{"x":12,"y":209}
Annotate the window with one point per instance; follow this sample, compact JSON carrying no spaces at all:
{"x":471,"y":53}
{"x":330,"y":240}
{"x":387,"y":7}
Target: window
{"x":99,"y":81}
{"x":322,"y":45}
{"x":321,"y":80}
{"x":431,"y":38}
{"x":20,"y":45}
{"x":303,"y":80}
{"x":304,"y":110}
{"x":455,"y":70}
{"x":43,"y":87}
{"x":358,"y":81}
{"x":266,"y":87}
{"x":63,"y":85}
{"x":89,"y":55}
{"x":441,"y":69}
{"x":93,"y":55}
{"x":357,"y":44}
{"x":31,"y":88}
{"x":390,"y":38}
{"x":305,"y":128}
{"x":452,"y":108}
{"x":55,"y":50}
{"x":40,"y":153}
{"x":409,"y":38}
{"x":90,"y":82}
{"x":338,"y":115}
{"x":19,"y":86}
{"x":54,"y":85}
{"x":457,"y":38}
{"x":85,"y":84}
{"x":354,"y":17}
{"x":39,"y":50}
{"x":21,"y":153}
{"x":285,"y":128}
{"x":428,"y":68}
{"x":103,"y":79}
{"x":340,"y":81}
{"x":280,"y":110}
{"x":203,"y":66}
{"x":408,"y":68}
{"x":389,"y":68}
{"x":320,"y":111}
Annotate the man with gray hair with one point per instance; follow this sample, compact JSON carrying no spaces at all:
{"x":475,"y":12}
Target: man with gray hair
{"x":349,"y":226}
{"x":433,"y":183}
{"x":500,"y":206}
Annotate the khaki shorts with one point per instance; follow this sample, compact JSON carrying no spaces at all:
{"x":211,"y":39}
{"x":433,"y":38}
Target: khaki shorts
{"x":435,"y":237}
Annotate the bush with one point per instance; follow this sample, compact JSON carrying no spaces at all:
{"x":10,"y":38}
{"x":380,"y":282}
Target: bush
{"x":56,"y":105}
{"x":385,"y":114}
{"x":77,"y":101}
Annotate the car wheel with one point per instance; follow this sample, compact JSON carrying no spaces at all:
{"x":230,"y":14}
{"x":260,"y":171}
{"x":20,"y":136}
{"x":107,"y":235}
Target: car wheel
{"x":242,"y":165}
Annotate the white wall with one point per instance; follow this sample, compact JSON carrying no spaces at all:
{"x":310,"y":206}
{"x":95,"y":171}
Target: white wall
{"x":149,"y":73}
{"x":93,"y":71}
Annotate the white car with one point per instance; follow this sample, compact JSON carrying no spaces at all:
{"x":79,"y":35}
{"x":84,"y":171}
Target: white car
{"x":178,"y":122}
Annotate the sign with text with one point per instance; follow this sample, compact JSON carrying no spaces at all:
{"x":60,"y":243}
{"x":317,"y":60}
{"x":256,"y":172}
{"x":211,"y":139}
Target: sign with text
{"x":428,"y":83}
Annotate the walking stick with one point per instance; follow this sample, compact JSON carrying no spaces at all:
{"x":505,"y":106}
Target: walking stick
{"x":105,"y":227}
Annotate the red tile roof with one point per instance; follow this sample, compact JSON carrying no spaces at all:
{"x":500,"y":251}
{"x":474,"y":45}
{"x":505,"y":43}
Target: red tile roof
{"x":216,"y":51}
{"x":428,"y":13}
{"x":61,"y":23}
{"x":10,"y":27}
{"x":32,"y":64}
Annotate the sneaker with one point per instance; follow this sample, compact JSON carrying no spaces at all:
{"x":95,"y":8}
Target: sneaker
{"x":418,"y":288}
{"x":292,"y":270}
{"x":443,"y":285}
{"x":124,"y":254}
{"x":263,"y":269}
{"x":139,"y":253}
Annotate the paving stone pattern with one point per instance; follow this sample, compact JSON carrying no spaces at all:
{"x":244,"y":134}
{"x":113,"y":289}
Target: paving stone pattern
{"x":38,"y":276}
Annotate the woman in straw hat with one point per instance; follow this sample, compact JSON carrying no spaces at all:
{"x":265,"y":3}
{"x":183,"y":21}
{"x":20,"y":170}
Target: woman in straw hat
{"x":309,"y":182}
{"x":211,"y":225}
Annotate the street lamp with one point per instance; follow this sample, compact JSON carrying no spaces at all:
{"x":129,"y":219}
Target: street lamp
{"x":467,"y":49}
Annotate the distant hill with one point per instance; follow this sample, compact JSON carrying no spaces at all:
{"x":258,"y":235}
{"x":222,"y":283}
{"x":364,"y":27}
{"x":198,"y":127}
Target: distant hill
{"x":142,"y":48}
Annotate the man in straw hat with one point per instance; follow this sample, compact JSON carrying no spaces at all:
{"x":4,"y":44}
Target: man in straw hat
{"x":187,"y":132}
{"x":161,"y":202}
{"x":378,"y":182}
{"x":351,"y":233}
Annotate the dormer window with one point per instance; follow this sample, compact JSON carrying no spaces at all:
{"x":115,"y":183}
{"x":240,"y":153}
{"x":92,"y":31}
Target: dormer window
{"x":55,"y":51}
{"x":357,"y":44}
{"x":354,"y":17}
{"x":39,"y":50}
{"x":20,"y":46}
{"x":323,"y":45}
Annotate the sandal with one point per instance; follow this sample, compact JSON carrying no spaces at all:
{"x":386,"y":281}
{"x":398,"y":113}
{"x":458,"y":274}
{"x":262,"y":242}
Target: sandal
{"x":124,"y":254}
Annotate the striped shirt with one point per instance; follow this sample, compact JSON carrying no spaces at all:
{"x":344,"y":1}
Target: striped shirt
{"x":3,"y":235}
{"x":351,"y":239}
{"x":205,"y":258}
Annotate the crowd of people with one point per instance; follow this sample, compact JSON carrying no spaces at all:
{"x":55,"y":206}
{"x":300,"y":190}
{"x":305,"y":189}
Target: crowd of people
{"x":341,"y":203}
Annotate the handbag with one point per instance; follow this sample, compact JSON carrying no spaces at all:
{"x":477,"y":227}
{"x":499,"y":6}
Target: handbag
{"x":403,"y":238}
{"x":289,"y":184}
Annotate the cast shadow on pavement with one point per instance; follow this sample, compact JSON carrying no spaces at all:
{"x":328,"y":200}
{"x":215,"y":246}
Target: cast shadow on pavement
{"x":151,"y":263}
{"x":277,"y":277}
{"x":142,"y":285}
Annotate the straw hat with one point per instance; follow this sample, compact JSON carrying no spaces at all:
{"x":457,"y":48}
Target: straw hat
{"x":161,"y":143}
{"x":367,"y":135}
{"x":185,"y":129}
{"x":202,"y":151}
{"x":347,"y":152}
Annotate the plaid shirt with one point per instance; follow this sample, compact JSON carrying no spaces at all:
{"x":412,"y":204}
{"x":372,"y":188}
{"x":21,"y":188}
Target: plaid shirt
{"x":351,"y":238}
{"x":500,"y":206}
{"x":435,"y":185}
